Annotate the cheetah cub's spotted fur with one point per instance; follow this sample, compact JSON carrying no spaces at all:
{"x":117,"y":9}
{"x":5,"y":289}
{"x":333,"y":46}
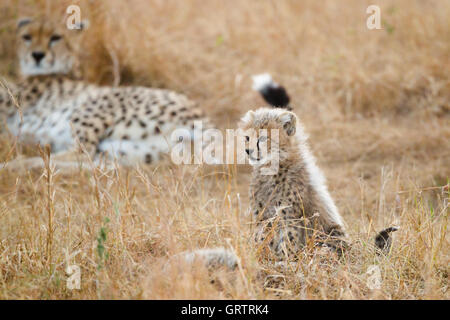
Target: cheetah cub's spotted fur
{"x":132,"y":124}
{"x":293,"y":204}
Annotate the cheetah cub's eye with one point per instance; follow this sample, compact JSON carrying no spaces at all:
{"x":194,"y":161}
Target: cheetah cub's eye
{"x":26,"y":37}
{"x":247,"y":138}
{"x":262,"y":139}
{"x":55,"y":38}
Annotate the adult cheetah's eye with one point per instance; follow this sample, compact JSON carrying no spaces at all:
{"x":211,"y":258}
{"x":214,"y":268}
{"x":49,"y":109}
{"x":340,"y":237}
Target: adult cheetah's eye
{"x":26,"y":37}
{"x":55,"y":38}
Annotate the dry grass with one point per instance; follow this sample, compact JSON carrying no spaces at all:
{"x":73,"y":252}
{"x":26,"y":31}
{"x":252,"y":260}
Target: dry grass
{"x":376,"y":104}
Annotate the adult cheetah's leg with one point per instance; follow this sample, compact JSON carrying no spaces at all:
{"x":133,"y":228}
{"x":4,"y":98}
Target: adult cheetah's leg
{"x":88,"y":128}
{"x":63,"y":161}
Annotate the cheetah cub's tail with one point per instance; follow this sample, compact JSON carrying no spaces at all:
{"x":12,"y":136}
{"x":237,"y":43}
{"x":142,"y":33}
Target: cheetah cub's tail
{"x":383,"y":240}
{"x":273,"y":93}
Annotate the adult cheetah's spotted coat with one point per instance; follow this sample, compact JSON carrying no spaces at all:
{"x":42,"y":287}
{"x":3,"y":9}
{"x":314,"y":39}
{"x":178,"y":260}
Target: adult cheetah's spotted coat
{"x":132,"y":124}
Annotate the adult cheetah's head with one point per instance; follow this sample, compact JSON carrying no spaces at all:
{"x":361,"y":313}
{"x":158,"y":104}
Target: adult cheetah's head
{"x":45,"y":47}
{"x":269,"y":131}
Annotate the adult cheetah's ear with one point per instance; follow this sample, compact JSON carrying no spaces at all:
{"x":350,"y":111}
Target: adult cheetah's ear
{"x":23,"y":22}
{"x":79,"y":26}
{"x":289,"y":121}
{"x":83,"y":25}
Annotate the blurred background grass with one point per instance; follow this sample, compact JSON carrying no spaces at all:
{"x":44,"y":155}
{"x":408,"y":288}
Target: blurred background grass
{"x":317,"y":49}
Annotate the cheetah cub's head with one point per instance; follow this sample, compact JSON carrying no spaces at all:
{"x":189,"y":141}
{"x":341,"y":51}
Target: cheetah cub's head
{"x":270,"y":135}
{"x":45,"y":47}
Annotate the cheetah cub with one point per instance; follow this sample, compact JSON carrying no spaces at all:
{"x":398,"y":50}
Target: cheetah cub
{"x":293,"y":204}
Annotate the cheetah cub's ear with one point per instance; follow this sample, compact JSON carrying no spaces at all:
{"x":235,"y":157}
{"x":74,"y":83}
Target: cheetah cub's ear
{"x":289,"y":122}
{"x":248,"y":117}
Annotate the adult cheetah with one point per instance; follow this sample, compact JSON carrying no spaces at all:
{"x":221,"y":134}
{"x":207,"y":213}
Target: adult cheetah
{"x":51,"y":107}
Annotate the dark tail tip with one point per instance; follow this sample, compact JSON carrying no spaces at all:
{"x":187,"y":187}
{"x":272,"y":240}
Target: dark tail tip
{"x":383,"y":240}
{"x":272,"y":92}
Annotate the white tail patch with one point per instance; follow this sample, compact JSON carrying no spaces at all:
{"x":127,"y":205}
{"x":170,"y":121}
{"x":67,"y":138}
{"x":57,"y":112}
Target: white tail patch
{"x":261,"y":81}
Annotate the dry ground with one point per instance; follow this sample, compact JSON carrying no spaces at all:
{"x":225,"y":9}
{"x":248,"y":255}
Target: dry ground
{"x":376,"y":105}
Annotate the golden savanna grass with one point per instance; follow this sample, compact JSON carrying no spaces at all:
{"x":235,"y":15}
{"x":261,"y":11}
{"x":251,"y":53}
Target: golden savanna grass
{"x":376,"y":104}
